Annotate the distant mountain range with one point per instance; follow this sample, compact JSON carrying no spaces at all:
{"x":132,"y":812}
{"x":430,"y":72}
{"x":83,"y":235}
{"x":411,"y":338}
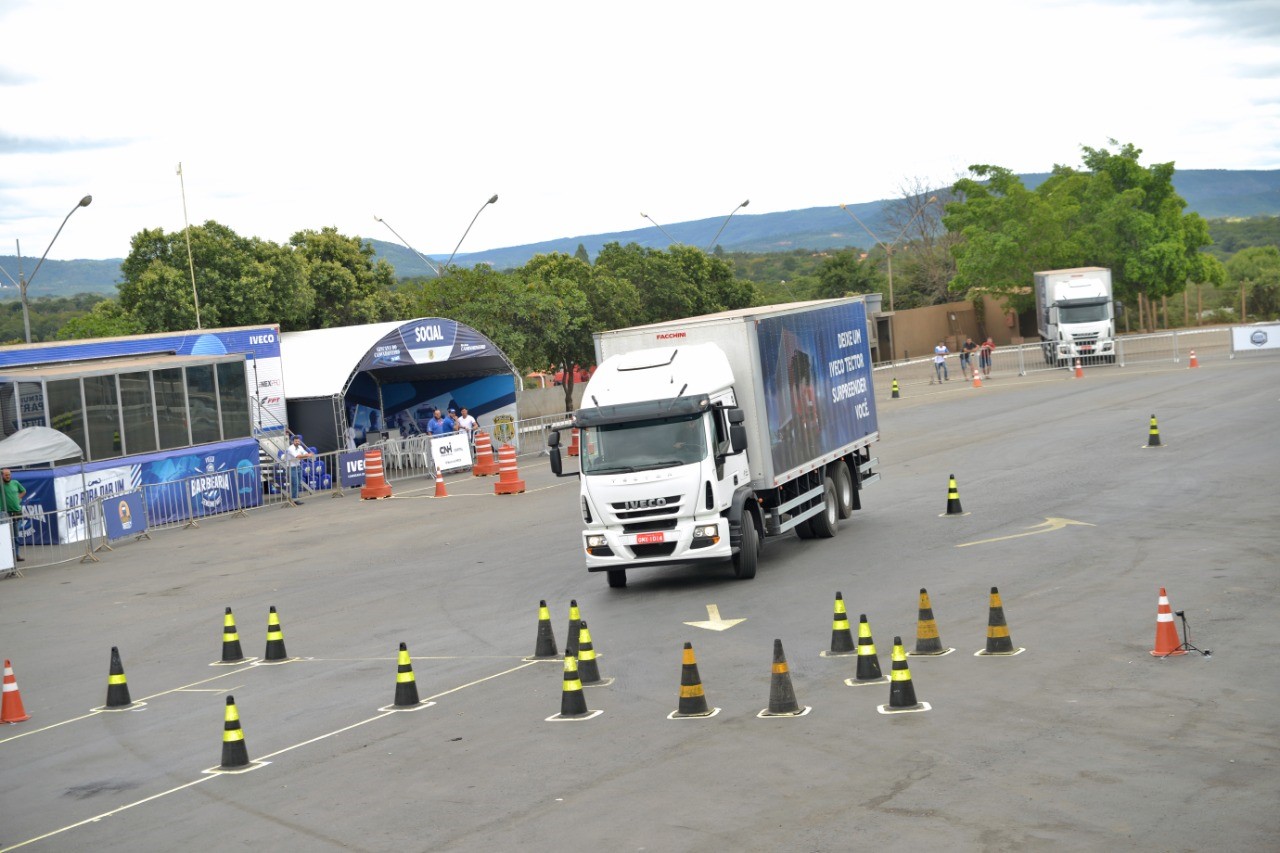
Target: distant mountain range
{"x":1213,"y":193}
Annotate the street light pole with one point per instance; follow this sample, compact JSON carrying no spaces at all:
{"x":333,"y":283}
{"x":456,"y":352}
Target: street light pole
{"x":25,"y":281}
{"x":670,"y":239}
{"x":492,"y":200}
{"x":430,"y":265}
{"x":726,"y":222}
{"x":888,"y":249}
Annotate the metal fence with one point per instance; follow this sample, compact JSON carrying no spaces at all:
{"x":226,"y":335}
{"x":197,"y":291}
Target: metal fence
{"x":1023,"y":359}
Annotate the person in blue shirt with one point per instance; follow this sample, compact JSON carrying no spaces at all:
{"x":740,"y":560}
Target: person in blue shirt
{"x":438,"y":425}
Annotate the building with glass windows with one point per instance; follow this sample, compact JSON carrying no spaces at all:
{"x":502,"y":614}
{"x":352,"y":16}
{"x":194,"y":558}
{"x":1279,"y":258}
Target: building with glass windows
{"x":146,"y":410}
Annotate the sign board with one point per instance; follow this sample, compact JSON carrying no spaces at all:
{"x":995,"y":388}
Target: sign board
{"x":450,"y":452}
{"x":1259,"y":337}
{"x":6,"y":554}
{"x":351,"y":466}
{"x":125,"y":515}
{"x":504,"y":429}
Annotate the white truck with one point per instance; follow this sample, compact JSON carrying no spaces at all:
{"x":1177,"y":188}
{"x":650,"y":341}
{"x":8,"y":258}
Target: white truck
{"x":700,"y":438}
{"x":1076,"y":314}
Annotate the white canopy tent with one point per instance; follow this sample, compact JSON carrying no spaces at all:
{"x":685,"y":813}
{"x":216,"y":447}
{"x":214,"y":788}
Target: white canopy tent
{"x":33,"y":446}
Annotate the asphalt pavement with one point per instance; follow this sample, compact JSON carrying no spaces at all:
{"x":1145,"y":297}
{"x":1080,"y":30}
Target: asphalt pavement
{"x":1084,"y":741}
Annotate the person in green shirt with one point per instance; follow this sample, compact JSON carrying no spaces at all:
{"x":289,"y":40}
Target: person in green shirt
{"x":13,"y":495}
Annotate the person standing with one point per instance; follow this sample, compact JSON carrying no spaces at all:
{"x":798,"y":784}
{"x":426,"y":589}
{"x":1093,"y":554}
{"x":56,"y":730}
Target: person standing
{"x":13,"y":495}
{"x":297,"y":452}
{"x":438,"y":425}
{"x":466,"y":423}
{"x":966,"y":356}
{"x":940,"y":361}
{"x":984,"y":356}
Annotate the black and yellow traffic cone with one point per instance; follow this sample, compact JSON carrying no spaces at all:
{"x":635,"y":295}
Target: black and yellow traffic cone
{"x":234,"y":752}
{"x":231,"y":652}
{"x":782,"y":697}
{"x":588,"y":669}
{"x":998,"y":640}
{"x":1153,"y":434}
{"x":406,"y":686}
{"x":117,"y":687}
{"x":902,"y":693}
{"x":841,"y":635}
{"x":275,"y":638}
{"x":953,"y":498}
{"x":693,"y":701}
{"x":928,"y":643}
{"x":868,"y":671}
{"x":546,"y":645}
{"x":573,"y":703}
{"x":571,"y":640}
{"x":895,"y":389}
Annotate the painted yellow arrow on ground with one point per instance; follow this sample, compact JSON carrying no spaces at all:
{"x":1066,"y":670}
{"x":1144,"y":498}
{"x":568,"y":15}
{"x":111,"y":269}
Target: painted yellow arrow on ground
{"x":714,"y":622}
{"x":1049,"y":524}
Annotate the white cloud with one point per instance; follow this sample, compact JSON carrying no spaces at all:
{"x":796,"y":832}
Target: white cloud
{"x":582,"y":115}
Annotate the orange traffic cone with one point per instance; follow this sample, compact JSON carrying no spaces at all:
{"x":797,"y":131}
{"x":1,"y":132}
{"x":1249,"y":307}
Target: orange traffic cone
{"x":1079,"y":370}
{"x":375,"y":485}
{"x":1193,"y":363}
{"x":573,"y":443}
{"x":977,"y":379}
{"x":509,"y":482}
{"x":440,"y":490}
{"x":485,"y":465}
{"x":11,"y":710}
{"x":1166,"y":633}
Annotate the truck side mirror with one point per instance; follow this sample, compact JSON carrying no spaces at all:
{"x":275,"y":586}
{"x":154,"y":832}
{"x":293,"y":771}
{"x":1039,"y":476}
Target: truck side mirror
{"x":737,"y":438}
{"x":1119,"y":309}
{"x":553,"y":438}
{"x":736,"y":415}
{"x":556,"y":466}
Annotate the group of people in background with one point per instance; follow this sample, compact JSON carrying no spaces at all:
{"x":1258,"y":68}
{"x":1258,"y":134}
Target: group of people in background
{"x":967,"y":349}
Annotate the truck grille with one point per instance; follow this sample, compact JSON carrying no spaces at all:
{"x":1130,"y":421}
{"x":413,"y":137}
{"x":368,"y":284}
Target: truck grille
{"x":660,"y":549}
{"x":626,"y":511}
{"x":649,"y":526}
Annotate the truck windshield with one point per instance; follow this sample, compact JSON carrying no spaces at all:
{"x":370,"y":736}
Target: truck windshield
{"x":643,"y":445}
{"x":1082,"y":313}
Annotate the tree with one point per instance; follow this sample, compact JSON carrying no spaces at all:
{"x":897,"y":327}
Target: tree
{"x":107,"y":319}
{"x":1257,"y":272}
{"x":349,"y":286}
{"x":847,"y":272}
{"x":1115,"y":214}
{"x":582,"y":255}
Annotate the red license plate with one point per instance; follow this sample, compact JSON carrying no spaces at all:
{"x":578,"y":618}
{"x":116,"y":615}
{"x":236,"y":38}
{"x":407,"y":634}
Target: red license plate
{"x":649,"y":538}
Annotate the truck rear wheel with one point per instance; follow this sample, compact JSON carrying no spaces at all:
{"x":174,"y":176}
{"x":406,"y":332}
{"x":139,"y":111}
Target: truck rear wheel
{"x":825,"y":523}
{"x":745,"y":561}
{"x":844,"y":488}
{"x":618,"y":578}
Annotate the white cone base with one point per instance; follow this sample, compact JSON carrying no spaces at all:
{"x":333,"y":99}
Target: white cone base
{"x":953,"y":514}
{"x":252,"y":765}
{"x":853,"y":682}
{"x":830,"y":654}
{"x":425,"y":703}
{"x":136,"y":706}
{"x":676,"y":715}
{"x":766,"y":715}
{"x":276,"y":662}
{"x":885,"y":709}
{"x":983,"y":653}
{"x":560,"y":719}
{"x":941,"y":654}
{"x":244,"y":662}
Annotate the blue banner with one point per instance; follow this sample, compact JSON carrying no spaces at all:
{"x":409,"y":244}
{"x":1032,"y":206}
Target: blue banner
{"x":352,"y":464}
{"x":124,"y":516}
{"x":817,"y":382}
{"x":429,"y":340}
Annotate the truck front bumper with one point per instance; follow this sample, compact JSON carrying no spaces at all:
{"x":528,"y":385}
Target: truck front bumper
{"x":1071,"y":349}
{"x":612,"y":548}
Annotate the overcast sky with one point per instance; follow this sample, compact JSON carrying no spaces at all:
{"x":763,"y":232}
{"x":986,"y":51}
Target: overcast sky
{"x":581,"y":116}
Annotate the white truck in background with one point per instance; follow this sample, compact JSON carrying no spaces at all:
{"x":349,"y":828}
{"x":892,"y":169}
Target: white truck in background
{"x":700,"y":438}
{"x":1076,"y":315}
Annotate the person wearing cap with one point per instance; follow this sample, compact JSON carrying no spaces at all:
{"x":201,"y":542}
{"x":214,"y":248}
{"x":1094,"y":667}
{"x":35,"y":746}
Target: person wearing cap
{"x":297,"y":452}
{"x":452,"y":418}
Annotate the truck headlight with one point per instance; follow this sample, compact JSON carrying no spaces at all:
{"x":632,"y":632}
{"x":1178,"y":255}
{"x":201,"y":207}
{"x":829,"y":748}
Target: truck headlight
{"x":595,"y":541}
{"x":706,"y":531}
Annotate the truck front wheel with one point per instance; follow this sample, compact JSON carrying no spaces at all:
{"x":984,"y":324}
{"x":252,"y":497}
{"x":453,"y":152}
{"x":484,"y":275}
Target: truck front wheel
{"x":825,"y":523}
{"x":618,"y":578}
{"x":744,"y":562}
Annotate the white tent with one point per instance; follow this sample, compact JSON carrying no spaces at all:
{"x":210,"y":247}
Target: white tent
{"x":37,"y":445}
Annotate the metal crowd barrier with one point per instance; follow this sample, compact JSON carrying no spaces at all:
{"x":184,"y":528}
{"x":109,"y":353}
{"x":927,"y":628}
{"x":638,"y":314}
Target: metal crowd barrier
{"x":41,"y":531}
